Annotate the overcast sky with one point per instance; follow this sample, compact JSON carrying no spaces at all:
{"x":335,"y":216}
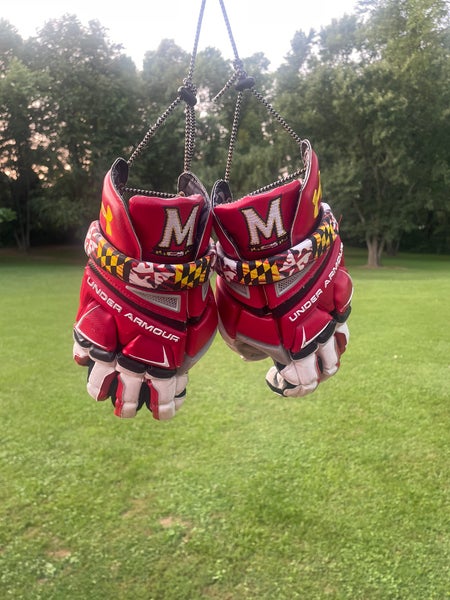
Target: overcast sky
{"x":258,"y":26}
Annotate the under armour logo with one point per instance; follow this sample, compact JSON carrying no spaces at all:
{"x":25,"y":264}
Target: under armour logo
{"x":317,"y":196}
{"x":108,"y":216}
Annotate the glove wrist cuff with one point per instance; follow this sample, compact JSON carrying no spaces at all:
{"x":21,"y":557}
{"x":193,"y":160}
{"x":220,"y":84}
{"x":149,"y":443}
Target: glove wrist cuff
{"x":147,"y":274}
{"x":285,"y":264}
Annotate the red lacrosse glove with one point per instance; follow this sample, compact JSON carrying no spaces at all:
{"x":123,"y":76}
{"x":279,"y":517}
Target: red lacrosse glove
{"x":147,"y":312}
{"x":282,"y":289}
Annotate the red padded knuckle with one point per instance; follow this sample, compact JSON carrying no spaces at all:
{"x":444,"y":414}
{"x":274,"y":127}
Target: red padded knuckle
{"x":98,"y":326}
{"x":343,"y":289}
{"x":200,"y":333}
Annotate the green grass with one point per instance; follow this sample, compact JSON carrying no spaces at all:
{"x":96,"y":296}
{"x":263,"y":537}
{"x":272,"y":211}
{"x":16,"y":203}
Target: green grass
{"x":244,"y":495}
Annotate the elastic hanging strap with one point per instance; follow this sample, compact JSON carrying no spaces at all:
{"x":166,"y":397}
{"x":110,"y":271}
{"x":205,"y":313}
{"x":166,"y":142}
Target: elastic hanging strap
{"x":186,"y":93}
{"x":242,"y":82}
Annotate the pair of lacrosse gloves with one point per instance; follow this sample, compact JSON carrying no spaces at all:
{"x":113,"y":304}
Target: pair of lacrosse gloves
{"x":148,"y":313}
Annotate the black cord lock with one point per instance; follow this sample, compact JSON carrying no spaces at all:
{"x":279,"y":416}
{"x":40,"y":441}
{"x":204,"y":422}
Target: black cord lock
{"x":245,"y":83}
{"x":187,"y":95}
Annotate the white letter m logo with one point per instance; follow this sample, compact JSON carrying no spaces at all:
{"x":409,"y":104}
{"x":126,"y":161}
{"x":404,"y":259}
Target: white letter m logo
{"x":175,"y":230}
{"x":256,"y":225}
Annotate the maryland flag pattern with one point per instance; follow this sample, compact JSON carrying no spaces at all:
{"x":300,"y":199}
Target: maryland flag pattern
{"x":109,"y":259}
{"x":191,"y":274}
{"x":285,"y":264}
{"x":258,"y":272}
{"x":164,"y":277}
{"x":324,"y":236}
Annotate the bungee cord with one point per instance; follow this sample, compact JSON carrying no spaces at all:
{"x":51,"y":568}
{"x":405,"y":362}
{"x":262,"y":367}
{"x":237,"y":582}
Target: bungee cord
{"x":242,"y":83}
{"x":187,"y":93}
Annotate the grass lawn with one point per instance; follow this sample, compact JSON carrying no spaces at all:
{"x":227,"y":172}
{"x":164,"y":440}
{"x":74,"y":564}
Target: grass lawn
{"x":244,"y":495}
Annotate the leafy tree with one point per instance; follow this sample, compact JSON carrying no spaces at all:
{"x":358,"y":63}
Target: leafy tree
{"x":70,"y":104}
{"x":22,"y":144}
{"x":161,"y":160}
{"x":11,"y":44}
{"x":95,"y":93}
{"x":411,"y":37}
{"x":211,"y":73}
{"x":164,"y":71}
{"x":370,"y":91}
{"x":374,"y":97}
{"x":254,"y":160}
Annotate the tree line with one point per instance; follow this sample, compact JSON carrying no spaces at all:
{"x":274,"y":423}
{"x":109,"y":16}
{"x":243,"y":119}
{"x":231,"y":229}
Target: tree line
{"x":370,"y":91}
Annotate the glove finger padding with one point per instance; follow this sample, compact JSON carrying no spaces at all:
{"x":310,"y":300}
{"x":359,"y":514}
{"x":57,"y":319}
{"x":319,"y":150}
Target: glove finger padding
{"x":282,"y":289}
{"x":147,"y":312}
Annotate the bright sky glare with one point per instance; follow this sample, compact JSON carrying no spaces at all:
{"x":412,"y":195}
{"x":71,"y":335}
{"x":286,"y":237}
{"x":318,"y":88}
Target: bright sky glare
{"x":257,"y":26}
